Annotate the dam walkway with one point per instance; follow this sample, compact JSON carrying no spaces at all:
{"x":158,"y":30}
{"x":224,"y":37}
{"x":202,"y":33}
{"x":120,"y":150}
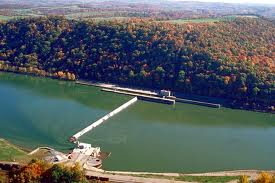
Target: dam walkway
{"x":76,"y":136}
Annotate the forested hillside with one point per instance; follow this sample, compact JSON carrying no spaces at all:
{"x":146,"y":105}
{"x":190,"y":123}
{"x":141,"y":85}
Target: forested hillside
{"x":229,"y":59}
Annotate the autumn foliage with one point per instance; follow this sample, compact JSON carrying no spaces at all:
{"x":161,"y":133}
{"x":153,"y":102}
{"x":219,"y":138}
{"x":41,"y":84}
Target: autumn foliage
{"x":265,"y":178}
{"x":29,"y":173}
{"x":39,"y":171}
{"x":243,"y":179}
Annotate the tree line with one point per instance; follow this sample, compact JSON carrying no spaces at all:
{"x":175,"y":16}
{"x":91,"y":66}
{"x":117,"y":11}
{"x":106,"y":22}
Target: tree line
{"x":41,"y":172}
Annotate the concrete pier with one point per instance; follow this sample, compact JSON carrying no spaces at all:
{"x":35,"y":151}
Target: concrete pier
{"x":117,"y":87}
{"x":143,"y":96}
{"x":146,"y":94}
{"x":101,"y":120}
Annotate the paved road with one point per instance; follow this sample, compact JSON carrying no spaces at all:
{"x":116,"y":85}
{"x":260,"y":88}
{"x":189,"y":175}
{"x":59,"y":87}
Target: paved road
{"x":130,"y":179}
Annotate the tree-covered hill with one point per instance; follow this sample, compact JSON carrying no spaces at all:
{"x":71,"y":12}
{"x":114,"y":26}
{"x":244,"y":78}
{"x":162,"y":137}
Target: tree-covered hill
{"x":229,"y":59}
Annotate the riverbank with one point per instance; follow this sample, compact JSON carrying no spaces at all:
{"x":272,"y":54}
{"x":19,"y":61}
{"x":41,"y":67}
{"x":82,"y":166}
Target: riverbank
{"x":147,"y":177}
{"x":10,"y":152}
{"x":125,"y":176}
{"x":213,"y":177}
{"x":182,"y":97}
{"x":36,"y":72}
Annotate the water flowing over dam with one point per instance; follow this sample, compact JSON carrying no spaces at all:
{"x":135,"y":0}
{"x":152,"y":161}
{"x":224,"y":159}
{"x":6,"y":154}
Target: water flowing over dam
{"x":101,"y":120}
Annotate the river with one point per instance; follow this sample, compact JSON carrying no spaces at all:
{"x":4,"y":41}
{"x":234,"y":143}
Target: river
{"x":144,"y":137}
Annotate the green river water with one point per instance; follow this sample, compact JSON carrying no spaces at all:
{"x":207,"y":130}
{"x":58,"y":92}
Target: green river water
{"x":144,"y":137}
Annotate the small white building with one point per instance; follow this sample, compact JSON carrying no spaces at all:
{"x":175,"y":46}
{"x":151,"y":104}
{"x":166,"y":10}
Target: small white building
{"x":165,"y":93}
{"x":87,"y":149}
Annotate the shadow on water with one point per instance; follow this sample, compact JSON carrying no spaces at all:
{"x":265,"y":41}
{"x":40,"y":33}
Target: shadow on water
{"x":86,"y":95}
{"x":200,"y":115}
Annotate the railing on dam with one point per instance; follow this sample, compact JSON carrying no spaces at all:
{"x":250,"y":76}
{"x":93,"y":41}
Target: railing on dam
{"x":101,"y":120}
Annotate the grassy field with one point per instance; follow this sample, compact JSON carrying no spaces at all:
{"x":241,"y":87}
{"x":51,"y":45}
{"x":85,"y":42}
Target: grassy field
{"x":200,"y":179}
{"x":9,"y":152}
{"x":81,"y":15}
{"x":6,"y":18}
{"x":2,"y":17}
{"x":207,"y":179}
{"x":109,"y":19}
{"x":208,"y":20}
{"x":196,"y":20}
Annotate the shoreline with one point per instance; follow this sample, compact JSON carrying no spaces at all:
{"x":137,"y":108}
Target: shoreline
{"x":206,"y":101}
{"x":223,"y":102}
{"x":171,"y":174}
{"x":92,"y":173}
{"x":19,"y":148}
{"x":210,"y":173}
